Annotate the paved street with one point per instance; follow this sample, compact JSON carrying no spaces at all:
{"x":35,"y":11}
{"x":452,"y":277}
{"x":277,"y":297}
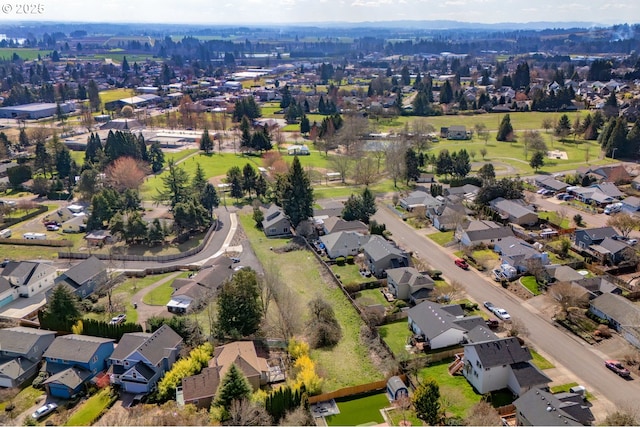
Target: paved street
{"x":585,"y":362}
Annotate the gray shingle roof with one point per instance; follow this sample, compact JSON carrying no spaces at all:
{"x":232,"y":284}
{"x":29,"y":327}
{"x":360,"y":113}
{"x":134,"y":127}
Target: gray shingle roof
{"x":344,"y":239}
{"x":410,"y":276}
{"x":13,"y":368}
{"x":541,"y":408}
{"x":128,"y":344}
{"x":155,"y":348}
{"x":20,"y":339}
{"x":511,"y":207}
{"x":433,"y":319}
{"x":600,"y":233}
{"x":27,"y":270}
{"x":480,"y":333}
{"x":85,"y":270}
{"x":619,"y":308}
{"x":528,"y":375}
{"x":72,"y":377}
{"x":500,"y":352}
{"x":79,"y":348}
{"x":378,"y":248}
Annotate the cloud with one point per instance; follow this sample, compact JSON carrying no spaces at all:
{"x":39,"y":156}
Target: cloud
{"x":371,"y":3}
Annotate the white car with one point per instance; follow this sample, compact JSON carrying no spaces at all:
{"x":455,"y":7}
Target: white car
{"x":44,"y":410}
{"x":502,"y":314}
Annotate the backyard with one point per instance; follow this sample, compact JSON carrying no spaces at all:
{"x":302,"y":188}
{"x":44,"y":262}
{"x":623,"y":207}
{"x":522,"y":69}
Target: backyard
{"x":360,"y":410}
{"x":396,"y":335}
{"x":303,"y":273}
{"x":89,"y":410}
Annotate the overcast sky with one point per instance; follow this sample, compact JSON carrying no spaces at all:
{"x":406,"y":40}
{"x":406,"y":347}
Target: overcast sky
{"x":299,"y":11}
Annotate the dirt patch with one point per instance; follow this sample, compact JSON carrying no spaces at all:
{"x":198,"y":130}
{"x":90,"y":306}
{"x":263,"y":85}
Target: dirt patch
{"x":518,"y":290}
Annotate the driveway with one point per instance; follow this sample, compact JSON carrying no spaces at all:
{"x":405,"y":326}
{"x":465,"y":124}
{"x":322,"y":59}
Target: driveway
{"x":566,"y":351}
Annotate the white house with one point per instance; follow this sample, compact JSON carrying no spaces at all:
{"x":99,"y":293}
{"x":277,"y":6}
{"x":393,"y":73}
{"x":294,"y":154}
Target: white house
{"x":29,"y":278}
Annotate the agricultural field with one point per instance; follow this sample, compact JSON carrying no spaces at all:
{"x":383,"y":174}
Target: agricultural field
{"x":23,"y":53}
{"x":115,"y":94}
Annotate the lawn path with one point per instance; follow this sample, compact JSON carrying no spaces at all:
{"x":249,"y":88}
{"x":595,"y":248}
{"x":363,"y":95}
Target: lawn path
{"x":145,"y":311}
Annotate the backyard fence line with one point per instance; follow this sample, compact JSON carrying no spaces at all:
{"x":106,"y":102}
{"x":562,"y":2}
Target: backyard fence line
{"x":36,"y":242}
{"x":353,"y":390}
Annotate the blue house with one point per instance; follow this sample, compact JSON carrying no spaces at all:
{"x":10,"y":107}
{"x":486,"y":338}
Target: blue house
{"x":72,"y":360}
{"x":84,"y":278}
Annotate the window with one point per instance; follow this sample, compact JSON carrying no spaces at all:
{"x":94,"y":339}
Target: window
{"x":95,"y":359}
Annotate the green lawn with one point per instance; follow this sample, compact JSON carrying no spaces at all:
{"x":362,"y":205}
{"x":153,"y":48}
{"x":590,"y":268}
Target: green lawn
{"x":396,"y":335}
{"x":23,"y":400}
{"x":350,"y":273}
{"x":553,"y":218}
{"x":564,"y":388}
{"x":160,"y":295}
{"x":530,"y":283}
{"x":456,"y":390}
{"x":360,"y":410}
{"x":441,"y":237}
{"x":87,"y":413}
{"x":370,"y":297}
{"x":485,"y":254}
{"x":541,"y":362}
{"x":301,"y":270}
{"x":23,"y":52}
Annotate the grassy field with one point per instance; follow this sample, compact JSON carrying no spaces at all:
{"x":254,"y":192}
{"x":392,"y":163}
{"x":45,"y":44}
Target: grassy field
{"x":115,"y":94}
{"x":455,"y":390}
{"x":349,"y":273}
{"x":160,"y":295}
{"x":86,"y":413}
{"x":370,"y":297}
{"x":359,"y":411}
{"x":553,"y":218}
{"x":301,"y":272}
{"x":24,"y":53}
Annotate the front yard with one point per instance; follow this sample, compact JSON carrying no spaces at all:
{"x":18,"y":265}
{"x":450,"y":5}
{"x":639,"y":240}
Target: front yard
{"x":531,"y":284}
{"x":441,"y":237}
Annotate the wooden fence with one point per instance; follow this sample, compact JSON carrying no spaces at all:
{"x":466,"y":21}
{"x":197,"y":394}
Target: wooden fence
{"x":353,"y":390}
{"x":36,"y":242}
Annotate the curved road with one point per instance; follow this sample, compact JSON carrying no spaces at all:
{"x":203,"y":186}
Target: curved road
{"x":577,"y":357}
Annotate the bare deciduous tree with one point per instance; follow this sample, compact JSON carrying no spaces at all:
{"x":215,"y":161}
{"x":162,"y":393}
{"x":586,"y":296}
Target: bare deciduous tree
{"x":364,"y":170}
{"x":567,"y":295}
{"x":395,"y":161}
{"x":245,"y":413}
{"x":483,"y":414}
{"x":342,"y":165}
{"x":624,"y":223}
{"x":126,"y":173}
{"x":298,"y":417}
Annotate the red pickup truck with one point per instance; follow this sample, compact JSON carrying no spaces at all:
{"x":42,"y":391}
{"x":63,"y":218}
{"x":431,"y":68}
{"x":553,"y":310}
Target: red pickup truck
{"x":461,"y":263}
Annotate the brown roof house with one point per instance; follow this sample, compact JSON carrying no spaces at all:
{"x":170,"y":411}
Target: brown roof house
{"x":200,"y":389}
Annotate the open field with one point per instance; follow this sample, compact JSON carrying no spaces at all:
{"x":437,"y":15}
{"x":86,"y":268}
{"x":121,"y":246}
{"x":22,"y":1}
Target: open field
{"x":301,"y":272}
{"x":24,"y":53}
{"x":115,"y":94}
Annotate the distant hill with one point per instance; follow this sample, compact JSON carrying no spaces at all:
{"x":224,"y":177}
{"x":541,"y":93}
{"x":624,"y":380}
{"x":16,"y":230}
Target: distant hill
{"x":451,"y":25}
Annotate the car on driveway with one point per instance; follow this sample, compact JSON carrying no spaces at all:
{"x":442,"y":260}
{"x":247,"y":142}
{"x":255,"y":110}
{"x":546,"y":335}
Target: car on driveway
{"x":234,"y":260}
{"x":44,"y":410}
{"x":632,"y":242}
{"x":502,"y":314}
{"x":120,"y":318}
{"x":52,"y":227}
{"x":489,"y":306}
{"x":617,"y":367}
{"x":461,"y":263}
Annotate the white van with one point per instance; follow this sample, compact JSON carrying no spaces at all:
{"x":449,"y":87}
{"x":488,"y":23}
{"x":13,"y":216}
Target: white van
{"x":34,"y":236}
{"x":5,"y":234}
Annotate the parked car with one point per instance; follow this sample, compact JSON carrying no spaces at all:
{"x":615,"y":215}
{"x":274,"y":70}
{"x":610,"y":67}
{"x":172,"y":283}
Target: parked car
{"x":617,"y":367}
{"x":632,"y":242}
{"x":567,"y":197}
{"x":559,"y":196}
{"x":52,"y":223}
{"x":461,"y":263}
{"x":489,"y":306}
{"x":120,"y":318}
{"x":502,"y":314}
{"x":44,"y":410}
{"x":235,"y":260}
{"x":238,"y":268}
{"x":52,"y":227}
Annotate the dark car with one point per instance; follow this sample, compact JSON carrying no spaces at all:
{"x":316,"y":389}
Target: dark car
{"x":234,"y":260}
{"x":462,"y":263}
{"x":617,"y":367}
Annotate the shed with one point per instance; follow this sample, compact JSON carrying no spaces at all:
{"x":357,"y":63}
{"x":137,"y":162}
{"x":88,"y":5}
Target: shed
{"x":396,"y":388}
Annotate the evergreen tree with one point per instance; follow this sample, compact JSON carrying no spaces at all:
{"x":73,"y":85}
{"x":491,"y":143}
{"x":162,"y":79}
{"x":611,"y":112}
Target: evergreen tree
{"x":233,"y":387}
{"x":239,"y":307}
{"x":206,"y":143}
{"x":209,"y":198}
{"x":249,"y":178}
{"x":258,"y":216}
{"x":94,"y":148}
{"x":261,"y":186}
{"x":156,"y":233}
{"x":405,"y":76}
{"x":245,"y":128}
{"x":632,"y":147}
{"x":298,"y":194}
{"x":94,"y":95}
{"x":23,"y":139}
{"x":368,"y":209}
{"x":156,"y":157}
{"x":63,"y":162}
{"x":236,"y":188}
{"x":62,"y":306}
{"x":461,"y":163}
{"x":412,"y":170}
{"x":446,"y":93}
{"x":42,"y":159}
{"x":199,"y":180}
{"x":305,"y":125}
{"x":176,"y":185}
{"x":563,"y":128}
{"x":444,"y":163}
{"x":537,"y":160}
{"x":426,"y":402}
{"x":505,"y":131}
{"x":487,"y":173}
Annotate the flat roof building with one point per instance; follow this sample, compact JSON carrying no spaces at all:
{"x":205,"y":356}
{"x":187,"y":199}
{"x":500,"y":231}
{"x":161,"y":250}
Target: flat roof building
{"x":36,"y":110}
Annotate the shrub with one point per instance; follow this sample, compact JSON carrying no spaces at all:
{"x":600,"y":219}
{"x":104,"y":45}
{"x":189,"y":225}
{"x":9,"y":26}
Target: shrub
{"x":604,"y":331}
{"x":98,"y":308}
{"x":297,"y":348}
{"x":435,"y":274}
{"x":340,"y":261}
{"x":350,"y":260}
{"x":352,"y":288}
{"x":400,"y":303}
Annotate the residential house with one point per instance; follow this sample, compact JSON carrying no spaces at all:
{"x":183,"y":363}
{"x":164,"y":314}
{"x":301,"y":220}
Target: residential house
{"x":141,"y":359}
{"x":635,"y":184}
{"x":200,"y":389}
{"x":8,"y":292}
{"x":631,"y":204}
{"x":426,"y":178}
{"x":439,"y":325}
{"x":72,"y":360}
{"x":190,"y":292}
{"x":607,"y":173}
{"x":344,"y":243}
{"x":334,"y":224}
{"x":463,"y":191}
{"x":518,"y":253}
{"x":482,"y":232}
{"x":84,"y":278}
{"x":29,"y":278}
{"x":381,"y":255}
{"x":550,"y":183}
{"x":98,"y":238}
{"x":562,"y":273}
{"x":593,"y":236}
{"x":77,"y":224}
{"x":622,"y":314}
{"x":275,"y":223}
{"x":610,"y":189}
{"x":457,"y":133}
{"x":447,"y":217}
{"x":66,"y":213}
{"x":591,"y":196}
{"x":21,"y":351}
{"x":514,"y":211}
{"x":407,"y":283}
{"x":597,"y":286}
{"x":538,"y":407}
{"x":610,"y":251}
{"x":501,"y":363}
{"x":419,"y":199}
